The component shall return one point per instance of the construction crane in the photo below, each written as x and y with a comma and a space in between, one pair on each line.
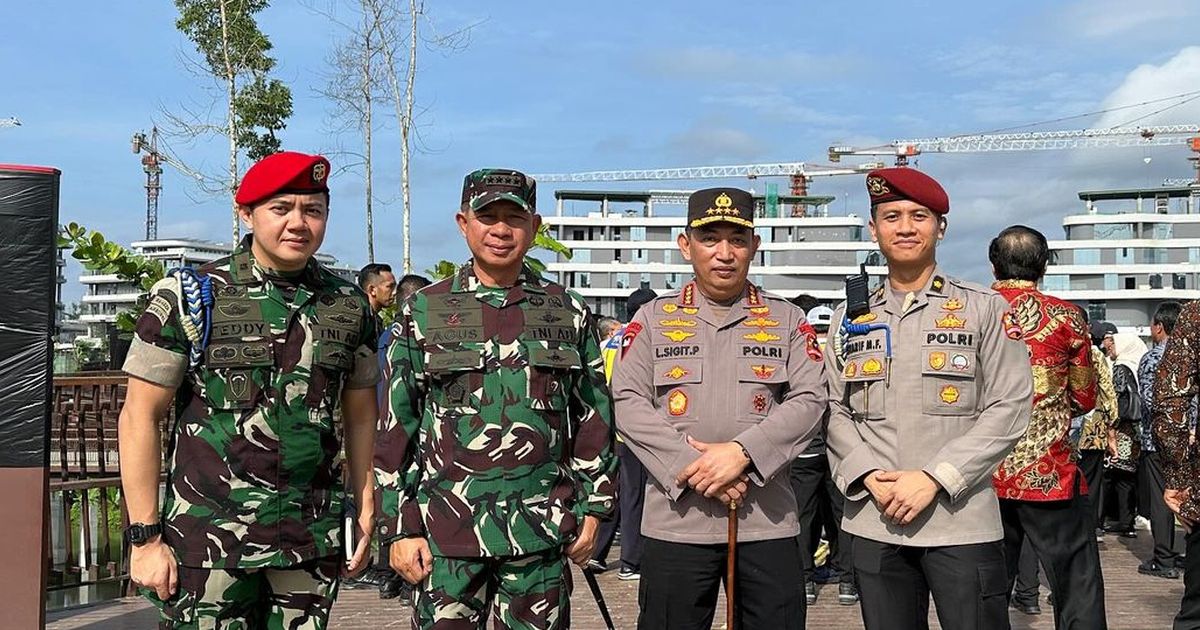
799, 174
152, 161
902, 150
11, 121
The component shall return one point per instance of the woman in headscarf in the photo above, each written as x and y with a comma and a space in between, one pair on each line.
1124, 449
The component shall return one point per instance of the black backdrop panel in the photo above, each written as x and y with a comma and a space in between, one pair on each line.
28, 282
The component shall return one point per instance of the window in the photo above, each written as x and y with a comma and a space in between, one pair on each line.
637, 234
763, 233
1087, 257
675, 232
1110, 282
1156, 256
672, 281
582, 255
1162, 231
644, 280
1097, 311
583, 280
1130, 282
622, 280
1056, 283
1194, 254
1124, 256
577, 235
1114, 231
639, 256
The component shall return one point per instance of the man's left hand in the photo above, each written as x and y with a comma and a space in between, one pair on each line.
581, 550
364, 527
912, 492
719, 465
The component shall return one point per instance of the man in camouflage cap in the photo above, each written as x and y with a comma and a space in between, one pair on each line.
495, 462
250, 532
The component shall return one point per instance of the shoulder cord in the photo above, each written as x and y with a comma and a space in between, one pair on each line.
195, 310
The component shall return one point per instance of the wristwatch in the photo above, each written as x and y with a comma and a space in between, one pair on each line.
138, 534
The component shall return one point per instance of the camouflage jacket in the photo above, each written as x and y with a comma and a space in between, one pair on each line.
254, 475
498, 436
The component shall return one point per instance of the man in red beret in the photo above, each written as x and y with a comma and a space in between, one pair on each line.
259, 351
920, 419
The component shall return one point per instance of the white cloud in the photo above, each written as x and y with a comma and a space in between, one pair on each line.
1109, 18
1177, 75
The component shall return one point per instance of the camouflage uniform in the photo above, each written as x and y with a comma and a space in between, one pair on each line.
497, 442
254, 484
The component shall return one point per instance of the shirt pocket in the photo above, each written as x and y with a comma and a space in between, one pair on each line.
864, 376
240, 373
551, 374
948, 381
456, 379
676, 385
332, 360
760, 388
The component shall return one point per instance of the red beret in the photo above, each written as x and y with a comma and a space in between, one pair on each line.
285, 172
899, 184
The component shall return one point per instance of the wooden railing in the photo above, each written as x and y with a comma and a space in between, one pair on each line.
85, 474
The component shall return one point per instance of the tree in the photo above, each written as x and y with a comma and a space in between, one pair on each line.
234, 53
99, 254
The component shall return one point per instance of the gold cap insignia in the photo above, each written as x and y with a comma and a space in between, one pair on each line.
877, 186
722, 205
319, 172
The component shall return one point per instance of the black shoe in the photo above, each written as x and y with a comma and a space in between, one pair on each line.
1028, 608
597, 566
1150, 567
810, 593
392, 587
1124, 531
847, 594
1180, 561
371, 578
825, 574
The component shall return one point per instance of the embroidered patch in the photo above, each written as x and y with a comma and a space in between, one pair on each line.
631, 331
676, 373
760, 310
960, 362
690, 310
761, 337
160, 308
669, 308
677, 403
813, 348
953, 304
851, 370
678, 323
1011, 328
949, 394
760, 403
951, 321
865, 318
937, 360
763, 371
871, 367
677, 335
761, 322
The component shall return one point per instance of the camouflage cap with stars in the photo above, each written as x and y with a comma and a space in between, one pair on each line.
712, 205
487, 185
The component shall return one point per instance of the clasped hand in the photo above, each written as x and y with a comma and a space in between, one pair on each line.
718, 472
901, 495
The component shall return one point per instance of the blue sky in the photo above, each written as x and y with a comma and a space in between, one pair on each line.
552, 86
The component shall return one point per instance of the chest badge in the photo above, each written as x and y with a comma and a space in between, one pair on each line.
951, 321
677, 322
763, 371
960, 362
677, 403
953, 304
760, 403
677, 335
871, 367
760, 310
761, 337
937, 360
761, 322
676, 373
851, 370
690, 310
669, 308
949, 394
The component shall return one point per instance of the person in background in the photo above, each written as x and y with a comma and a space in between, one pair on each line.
607, 328
410, 284
1093, 435
379, 283
1163, 561
1124, 450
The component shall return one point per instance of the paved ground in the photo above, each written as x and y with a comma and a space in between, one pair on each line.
1134, 602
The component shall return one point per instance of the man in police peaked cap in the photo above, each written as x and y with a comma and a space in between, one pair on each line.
718, 387
251, 526
919, 422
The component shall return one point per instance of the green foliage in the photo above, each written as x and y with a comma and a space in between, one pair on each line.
541, 241
262, 105
103, 256
89, 351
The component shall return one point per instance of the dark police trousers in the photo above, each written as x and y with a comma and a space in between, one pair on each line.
968, 583
1061, 533
680, 583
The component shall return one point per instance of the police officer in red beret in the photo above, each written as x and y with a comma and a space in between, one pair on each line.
261, 352
929, 390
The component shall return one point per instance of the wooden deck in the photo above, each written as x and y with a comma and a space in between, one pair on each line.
1134, 602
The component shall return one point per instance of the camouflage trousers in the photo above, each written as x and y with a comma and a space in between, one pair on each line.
524, 592
292, 598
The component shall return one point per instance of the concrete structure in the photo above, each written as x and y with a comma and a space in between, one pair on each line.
108, 295
1127, 252
622, 240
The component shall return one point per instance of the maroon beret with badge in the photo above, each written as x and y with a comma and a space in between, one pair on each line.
285, 172
907, 184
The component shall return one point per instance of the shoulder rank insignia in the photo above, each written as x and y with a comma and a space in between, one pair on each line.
938, 284
761, 337
677, 335
951, 321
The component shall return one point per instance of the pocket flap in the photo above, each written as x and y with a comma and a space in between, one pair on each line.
951, 362
333, 354
454, 361
555, 358
667, 373
758, 371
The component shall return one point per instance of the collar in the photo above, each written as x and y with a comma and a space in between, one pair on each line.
244, 269
465, 281
935, 287
694, 303
1027, 285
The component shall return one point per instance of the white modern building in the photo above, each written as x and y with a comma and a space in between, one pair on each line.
1128, 251
624, 240
107, 295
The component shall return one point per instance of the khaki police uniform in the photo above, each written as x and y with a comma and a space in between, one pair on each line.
952, 401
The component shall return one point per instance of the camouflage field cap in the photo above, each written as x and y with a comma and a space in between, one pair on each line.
486, 185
